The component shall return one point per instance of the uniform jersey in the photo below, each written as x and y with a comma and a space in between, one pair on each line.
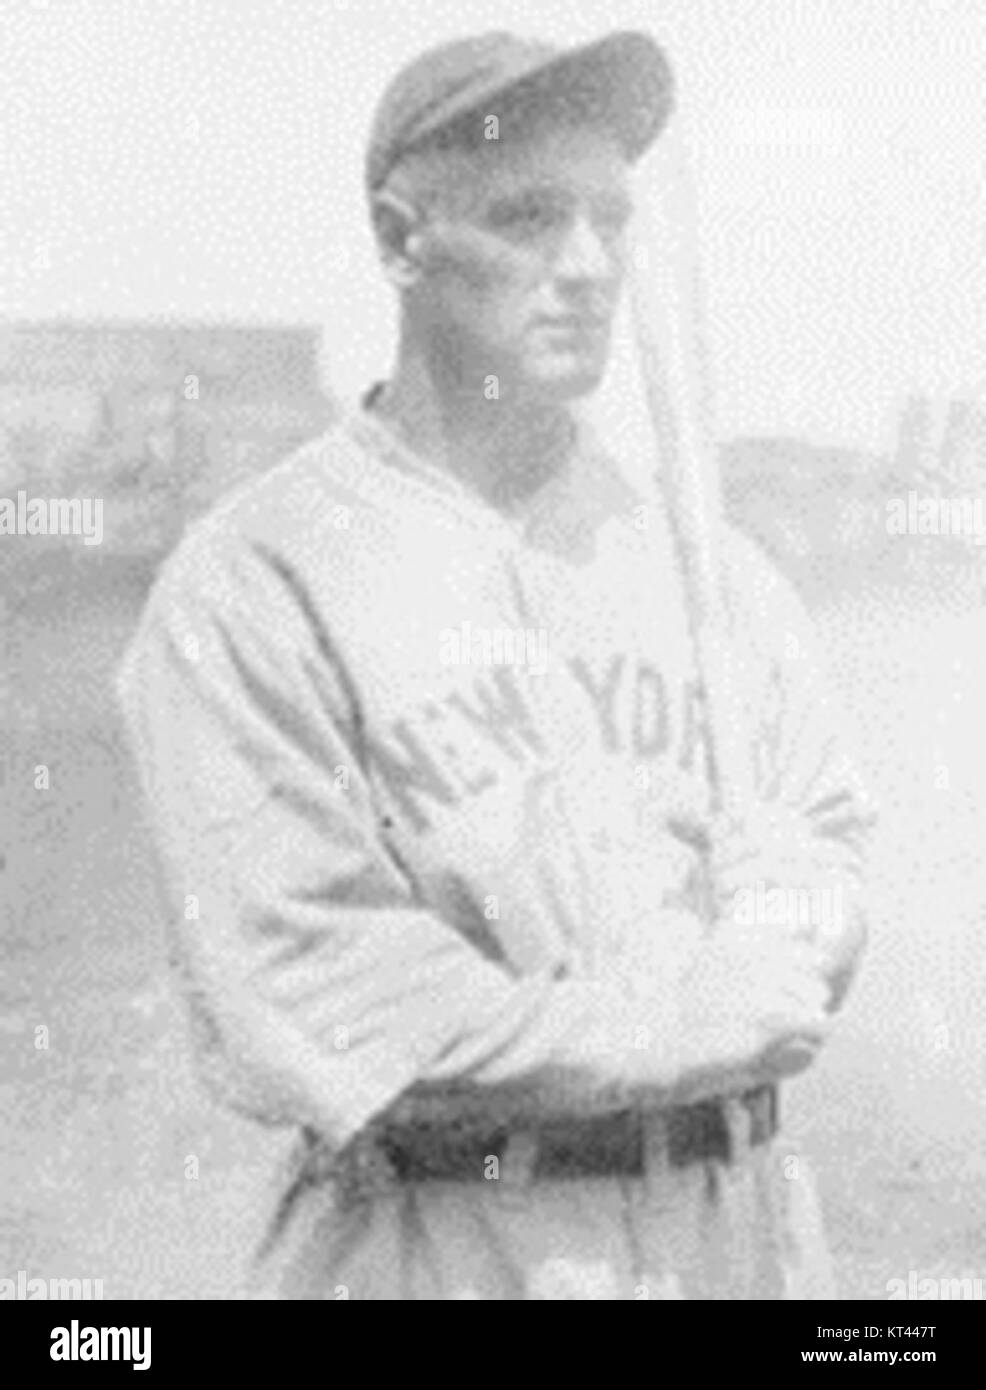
428, 772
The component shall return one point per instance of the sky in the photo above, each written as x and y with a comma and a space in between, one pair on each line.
201, 159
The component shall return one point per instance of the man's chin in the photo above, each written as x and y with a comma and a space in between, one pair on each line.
567, 381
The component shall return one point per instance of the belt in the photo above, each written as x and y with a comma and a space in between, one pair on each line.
607, 1146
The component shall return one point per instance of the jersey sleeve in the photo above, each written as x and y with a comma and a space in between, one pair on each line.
323, 989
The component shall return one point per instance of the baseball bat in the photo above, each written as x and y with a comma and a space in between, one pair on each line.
667, 323
667, 319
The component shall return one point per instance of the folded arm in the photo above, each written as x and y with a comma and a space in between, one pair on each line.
796, 856
327, 989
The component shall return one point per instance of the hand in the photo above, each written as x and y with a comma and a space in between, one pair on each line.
752, 1008
771, 872
773, 845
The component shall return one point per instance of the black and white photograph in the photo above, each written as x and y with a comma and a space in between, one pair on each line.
493, 608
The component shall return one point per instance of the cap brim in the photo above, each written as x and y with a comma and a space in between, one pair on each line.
622, 83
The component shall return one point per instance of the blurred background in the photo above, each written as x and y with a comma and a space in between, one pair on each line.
188, 291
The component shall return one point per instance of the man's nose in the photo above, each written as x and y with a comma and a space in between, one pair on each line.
584, 255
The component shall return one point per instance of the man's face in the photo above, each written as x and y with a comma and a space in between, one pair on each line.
524, 259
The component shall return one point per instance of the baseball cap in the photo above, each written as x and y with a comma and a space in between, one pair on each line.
622, 82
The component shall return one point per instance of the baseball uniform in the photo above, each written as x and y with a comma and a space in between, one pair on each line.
430, 775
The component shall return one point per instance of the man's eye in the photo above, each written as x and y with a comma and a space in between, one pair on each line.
529, 217
612, 222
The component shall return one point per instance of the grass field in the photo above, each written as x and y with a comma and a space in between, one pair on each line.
98, 1128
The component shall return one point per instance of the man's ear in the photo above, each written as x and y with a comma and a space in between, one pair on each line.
398, 227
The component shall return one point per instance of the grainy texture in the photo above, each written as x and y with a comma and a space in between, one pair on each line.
191, 291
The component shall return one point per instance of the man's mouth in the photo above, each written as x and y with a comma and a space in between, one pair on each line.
575, 325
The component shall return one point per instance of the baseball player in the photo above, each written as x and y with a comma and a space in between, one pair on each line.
420, 722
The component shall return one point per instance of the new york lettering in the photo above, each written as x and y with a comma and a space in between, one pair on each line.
428, 758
